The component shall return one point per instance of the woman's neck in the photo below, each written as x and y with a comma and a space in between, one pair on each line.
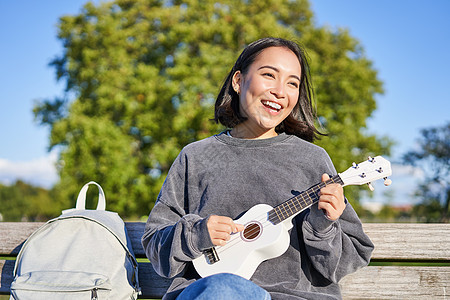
244, 133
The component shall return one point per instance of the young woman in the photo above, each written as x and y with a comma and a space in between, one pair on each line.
266, 157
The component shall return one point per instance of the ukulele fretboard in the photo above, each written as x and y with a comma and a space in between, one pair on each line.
300, 202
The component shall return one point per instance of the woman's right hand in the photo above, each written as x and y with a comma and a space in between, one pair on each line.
220, 229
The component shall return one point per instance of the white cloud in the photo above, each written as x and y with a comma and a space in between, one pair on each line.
405, 180
406, 170
40, 171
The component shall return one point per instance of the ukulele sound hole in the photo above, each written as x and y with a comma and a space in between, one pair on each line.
252, 231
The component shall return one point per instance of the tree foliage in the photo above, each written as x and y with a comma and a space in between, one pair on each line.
22, 201
142, 75
433, 156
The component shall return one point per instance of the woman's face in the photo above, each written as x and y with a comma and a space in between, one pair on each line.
267, 92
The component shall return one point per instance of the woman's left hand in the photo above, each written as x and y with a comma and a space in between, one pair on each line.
331, 199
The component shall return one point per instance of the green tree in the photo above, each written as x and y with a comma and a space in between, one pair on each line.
141, 79
433, 156
22, 201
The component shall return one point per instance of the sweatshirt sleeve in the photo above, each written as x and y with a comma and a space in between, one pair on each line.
172, 237
336, 248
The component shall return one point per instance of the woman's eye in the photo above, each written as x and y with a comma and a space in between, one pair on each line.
269, 75
294, 84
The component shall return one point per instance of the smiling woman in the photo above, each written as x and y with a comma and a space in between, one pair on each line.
265, 158
278, 69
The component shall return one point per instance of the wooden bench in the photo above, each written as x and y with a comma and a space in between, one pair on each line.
420, 253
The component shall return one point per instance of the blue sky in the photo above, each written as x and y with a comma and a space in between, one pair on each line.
407, 40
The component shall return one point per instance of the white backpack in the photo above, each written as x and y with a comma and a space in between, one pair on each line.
82, 254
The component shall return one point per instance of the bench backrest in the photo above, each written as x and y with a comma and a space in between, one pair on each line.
420, 253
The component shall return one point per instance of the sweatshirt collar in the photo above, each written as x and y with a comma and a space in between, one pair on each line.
224, 138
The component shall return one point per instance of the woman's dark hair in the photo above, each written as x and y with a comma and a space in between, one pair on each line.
301, 120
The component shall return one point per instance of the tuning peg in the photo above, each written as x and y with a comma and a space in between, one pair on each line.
371, 187
387, 181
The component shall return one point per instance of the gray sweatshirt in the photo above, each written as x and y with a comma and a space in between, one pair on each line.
226, 176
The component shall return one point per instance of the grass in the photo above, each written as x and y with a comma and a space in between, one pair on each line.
410, 263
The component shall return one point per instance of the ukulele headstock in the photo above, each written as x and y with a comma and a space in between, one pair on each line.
372, 169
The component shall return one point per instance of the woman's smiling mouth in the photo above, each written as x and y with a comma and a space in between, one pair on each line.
271, 105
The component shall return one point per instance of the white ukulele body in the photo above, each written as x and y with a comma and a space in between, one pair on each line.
244, 252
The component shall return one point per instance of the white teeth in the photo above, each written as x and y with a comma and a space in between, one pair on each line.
272, 104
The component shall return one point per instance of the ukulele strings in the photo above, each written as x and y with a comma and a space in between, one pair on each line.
264, 218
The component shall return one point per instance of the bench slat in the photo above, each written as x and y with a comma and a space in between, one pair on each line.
135, 231
381, 282
13, 234
395, 282
147, 274
395, 241
392, 241
6, 267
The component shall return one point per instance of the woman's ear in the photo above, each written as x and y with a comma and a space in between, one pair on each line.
236, 82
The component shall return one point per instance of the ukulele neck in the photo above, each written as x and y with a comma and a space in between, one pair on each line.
297, 204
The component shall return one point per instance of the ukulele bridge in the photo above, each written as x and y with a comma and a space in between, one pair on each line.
211, 256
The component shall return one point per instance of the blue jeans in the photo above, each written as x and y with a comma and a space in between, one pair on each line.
223, 286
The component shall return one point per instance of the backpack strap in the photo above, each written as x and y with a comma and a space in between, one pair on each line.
81, 200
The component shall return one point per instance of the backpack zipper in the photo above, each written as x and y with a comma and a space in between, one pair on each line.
94, 294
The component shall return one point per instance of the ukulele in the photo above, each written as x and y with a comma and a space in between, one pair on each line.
265, 233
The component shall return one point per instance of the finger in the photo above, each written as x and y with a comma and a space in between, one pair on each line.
218, 242
239, 227
229, 224
328, 199
325, 177
219, 237
221, 223
327, 188
334, 191
330, 212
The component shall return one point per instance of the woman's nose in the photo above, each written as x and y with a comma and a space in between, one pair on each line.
278, 90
